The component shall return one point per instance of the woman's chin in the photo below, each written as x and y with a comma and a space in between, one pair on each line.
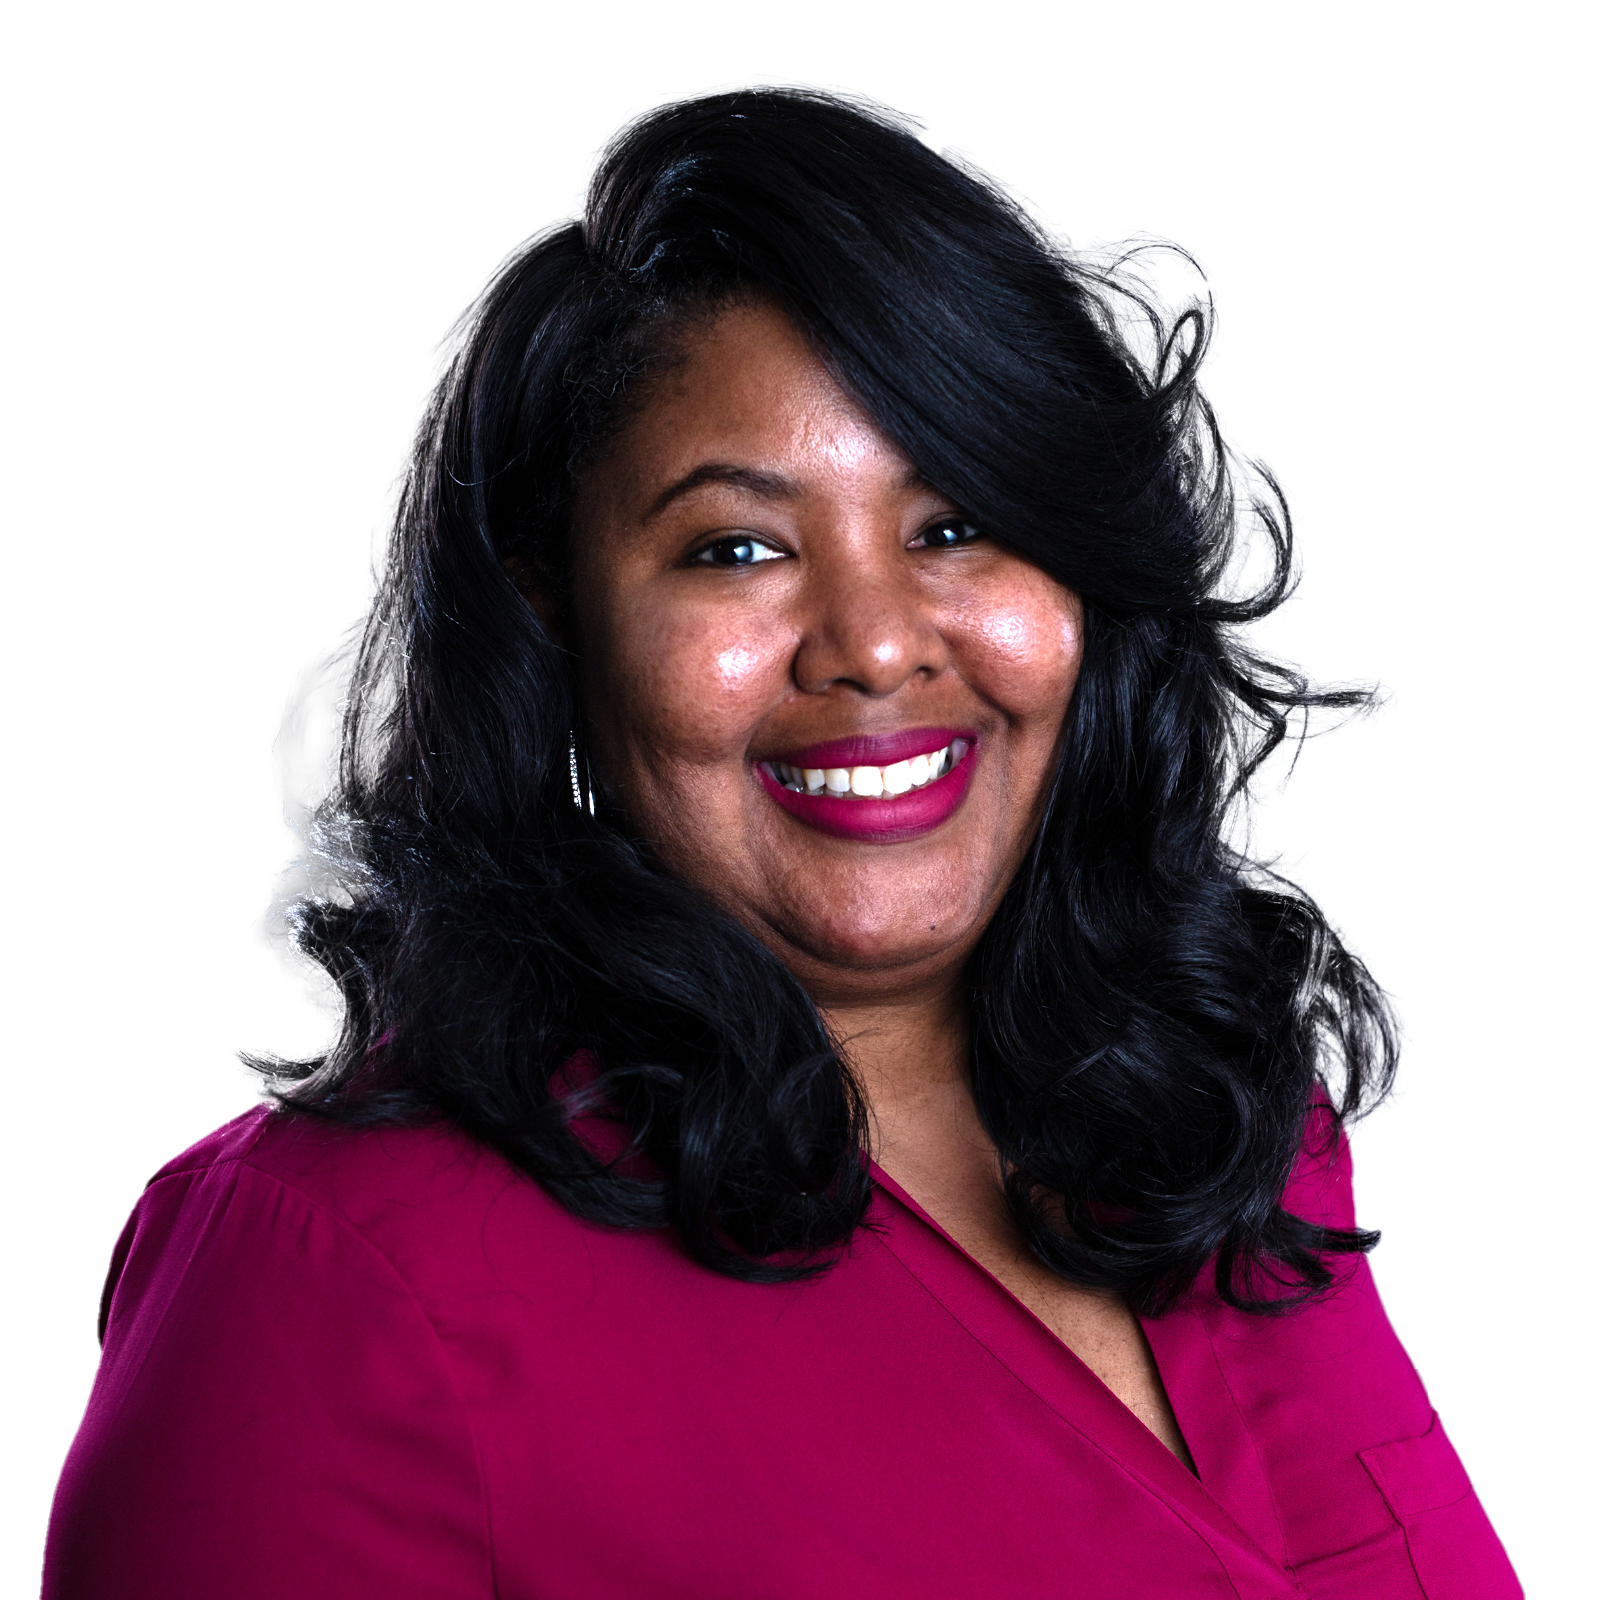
864, 909
896, 943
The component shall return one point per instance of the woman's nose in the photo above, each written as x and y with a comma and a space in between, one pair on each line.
868, 627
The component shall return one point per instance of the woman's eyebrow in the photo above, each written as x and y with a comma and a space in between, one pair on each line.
767, 485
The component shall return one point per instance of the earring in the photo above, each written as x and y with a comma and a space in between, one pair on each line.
583, 801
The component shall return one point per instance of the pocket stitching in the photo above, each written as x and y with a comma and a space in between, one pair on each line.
1375, 1456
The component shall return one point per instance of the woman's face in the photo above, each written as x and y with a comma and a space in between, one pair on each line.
830, 702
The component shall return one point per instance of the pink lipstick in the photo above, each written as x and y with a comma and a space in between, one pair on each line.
877, 787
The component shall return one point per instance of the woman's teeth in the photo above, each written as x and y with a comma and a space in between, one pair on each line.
901, 777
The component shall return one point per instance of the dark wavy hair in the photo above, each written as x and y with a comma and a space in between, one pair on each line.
1156, 1016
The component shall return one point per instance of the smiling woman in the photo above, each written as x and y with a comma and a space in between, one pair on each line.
804, 600
820, 1104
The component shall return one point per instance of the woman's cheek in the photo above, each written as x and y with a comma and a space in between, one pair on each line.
699, 690
735, 670
1026, 647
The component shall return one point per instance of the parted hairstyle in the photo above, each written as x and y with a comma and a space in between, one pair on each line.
1157, 1019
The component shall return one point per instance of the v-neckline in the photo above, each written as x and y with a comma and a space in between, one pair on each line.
1034, 1354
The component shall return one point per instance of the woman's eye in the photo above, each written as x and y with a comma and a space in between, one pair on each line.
947, 534
738, 550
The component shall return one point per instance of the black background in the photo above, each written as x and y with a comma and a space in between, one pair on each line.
261, 314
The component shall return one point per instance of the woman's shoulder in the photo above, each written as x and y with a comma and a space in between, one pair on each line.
334, 1163
1320, 1188
260, 1328
415, 1194
1319, 1428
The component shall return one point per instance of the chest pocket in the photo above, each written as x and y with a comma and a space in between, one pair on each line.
1452, 1547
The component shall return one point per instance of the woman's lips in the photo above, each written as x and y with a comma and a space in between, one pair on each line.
917, 780
875, 749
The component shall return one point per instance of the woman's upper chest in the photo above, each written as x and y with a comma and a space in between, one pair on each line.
954, 1184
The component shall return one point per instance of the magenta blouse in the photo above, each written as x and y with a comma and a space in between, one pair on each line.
383, 1365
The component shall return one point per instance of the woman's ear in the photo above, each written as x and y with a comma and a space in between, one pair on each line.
533, 589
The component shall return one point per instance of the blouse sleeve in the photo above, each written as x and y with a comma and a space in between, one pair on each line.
272, 1416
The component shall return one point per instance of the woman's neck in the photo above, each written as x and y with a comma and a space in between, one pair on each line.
909, 1054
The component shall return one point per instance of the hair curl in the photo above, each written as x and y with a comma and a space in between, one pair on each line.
1155, 1015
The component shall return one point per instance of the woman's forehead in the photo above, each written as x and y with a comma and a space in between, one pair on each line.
749, 406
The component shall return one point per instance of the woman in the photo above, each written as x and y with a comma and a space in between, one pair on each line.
821, 1105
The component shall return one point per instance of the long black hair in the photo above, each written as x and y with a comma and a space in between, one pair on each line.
1156, 1017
